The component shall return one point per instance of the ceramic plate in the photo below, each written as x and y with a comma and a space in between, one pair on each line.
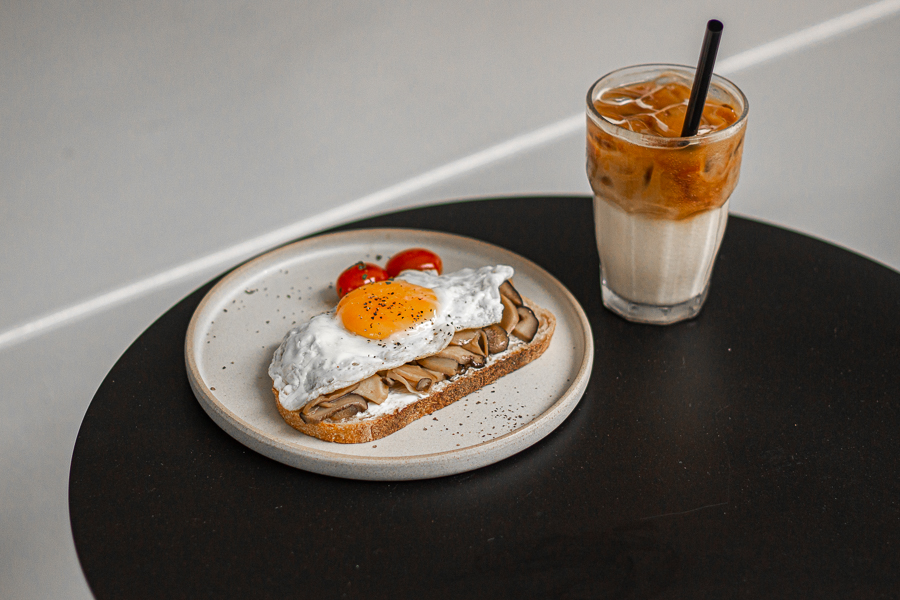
243, 319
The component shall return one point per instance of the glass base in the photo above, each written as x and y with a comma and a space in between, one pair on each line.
651, 313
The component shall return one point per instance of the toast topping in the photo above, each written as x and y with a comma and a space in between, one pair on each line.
381, 326
527, 325
497, 339
468, 349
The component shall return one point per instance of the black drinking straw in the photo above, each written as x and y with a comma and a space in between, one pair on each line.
702, 78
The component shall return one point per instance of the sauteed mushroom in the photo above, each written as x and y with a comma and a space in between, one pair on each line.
473, 340
463, 337
527, 326
462, 356
348, 406
507, 289
413, 377
447, 366
373, 389
510, 316
337, 409
497, 338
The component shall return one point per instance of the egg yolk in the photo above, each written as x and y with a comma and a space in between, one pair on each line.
381, 309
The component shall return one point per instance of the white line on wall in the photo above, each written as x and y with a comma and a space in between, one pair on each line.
806, 38
217, 261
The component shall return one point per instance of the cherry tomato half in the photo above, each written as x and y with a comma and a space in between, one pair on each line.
419, 259
359, 275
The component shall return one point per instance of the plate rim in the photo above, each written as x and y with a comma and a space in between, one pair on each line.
218, 411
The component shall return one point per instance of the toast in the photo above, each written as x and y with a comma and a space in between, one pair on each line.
355, 430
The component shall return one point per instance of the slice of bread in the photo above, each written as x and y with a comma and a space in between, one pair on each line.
357, 431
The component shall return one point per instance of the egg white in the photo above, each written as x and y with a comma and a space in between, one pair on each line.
321, 355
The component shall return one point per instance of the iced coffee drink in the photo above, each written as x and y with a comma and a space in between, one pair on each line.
660, 200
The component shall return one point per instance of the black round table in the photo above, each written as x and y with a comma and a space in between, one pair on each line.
752, 452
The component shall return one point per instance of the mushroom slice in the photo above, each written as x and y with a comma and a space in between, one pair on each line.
309, 411
527, 326
464, 336
462, 356
507, 290
447, 366
347, 406
497, 338
373, 389
472, 340
417, 371
435, 375
413, 377
479, 345
337, 409
510, 315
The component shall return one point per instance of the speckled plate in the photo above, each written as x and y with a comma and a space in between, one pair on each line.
242, 320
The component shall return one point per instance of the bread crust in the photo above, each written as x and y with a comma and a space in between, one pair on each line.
356, 431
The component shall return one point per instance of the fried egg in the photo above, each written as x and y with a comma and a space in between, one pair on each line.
381, 326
